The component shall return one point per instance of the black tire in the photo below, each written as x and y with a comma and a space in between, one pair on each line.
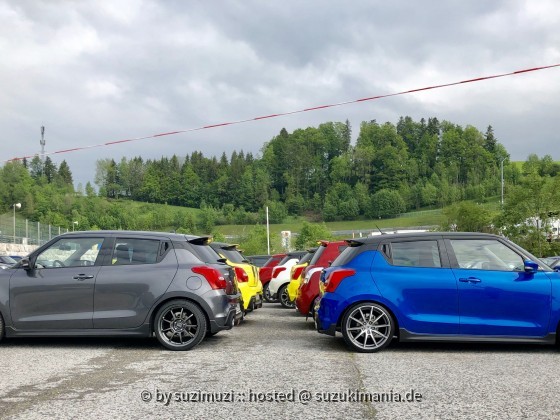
180, 325
266, 294
367, 327
240, 320
1, 327
284, 298
313, 305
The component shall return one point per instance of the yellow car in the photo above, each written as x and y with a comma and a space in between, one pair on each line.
296, 275
247, 275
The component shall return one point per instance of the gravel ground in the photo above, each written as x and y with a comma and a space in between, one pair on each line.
275, 351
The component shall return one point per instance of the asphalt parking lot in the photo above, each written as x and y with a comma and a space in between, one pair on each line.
275, 365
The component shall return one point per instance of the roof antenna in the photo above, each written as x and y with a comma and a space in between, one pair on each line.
380, 231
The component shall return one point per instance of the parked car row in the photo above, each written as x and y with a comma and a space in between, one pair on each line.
295, 280
182, 288
278, 285
247, 275
178, 288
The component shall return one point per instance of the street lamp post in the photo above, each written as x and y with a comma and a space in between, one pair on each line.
502, 170
74, 223
15, 206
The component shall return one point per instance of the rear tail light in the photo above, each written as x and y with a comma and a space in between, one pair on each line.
335, 277
215, 279
241, 274
297, 272
276, 271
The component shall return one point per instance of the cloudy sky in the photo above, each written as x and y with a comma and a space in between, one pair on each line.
97, 71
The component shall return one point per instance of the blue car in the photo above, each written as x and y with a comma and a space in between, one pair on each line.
438, 287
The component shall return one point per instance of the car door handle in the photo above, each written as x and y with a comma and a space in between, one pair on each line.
470, 280
82, 277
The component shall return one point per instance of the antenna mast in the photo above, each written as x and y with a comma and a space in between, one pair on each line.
43, 141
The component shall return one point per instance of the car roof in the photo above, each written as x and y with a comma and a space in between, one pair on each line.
420, 235
132, 233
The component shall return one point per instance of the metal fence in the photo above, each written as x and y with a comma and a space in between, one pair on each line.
14, 230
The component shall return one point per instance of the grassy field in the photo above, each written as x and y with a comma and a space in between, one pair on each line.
425, 218
421, 218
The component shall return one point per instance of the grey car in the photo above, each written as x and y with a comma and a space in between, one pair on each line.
120, 283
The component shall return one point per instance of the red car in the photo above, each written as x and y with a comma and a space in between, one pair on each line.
308, 293
265, 274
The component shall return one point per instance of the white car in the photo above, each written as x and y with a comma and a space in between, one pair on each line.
281, 278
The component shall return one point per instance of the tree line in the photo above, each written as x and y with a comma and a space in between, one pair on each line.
316, 172
391, 169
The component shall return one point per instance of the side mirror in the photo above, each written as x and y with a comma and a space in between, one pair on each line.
25, 264
531, 266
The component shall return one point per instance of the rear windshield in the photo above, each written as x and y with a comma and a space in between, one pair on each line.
346, 256
233, 255
285, 259
317, 255
270, 261
205, 253
306, 258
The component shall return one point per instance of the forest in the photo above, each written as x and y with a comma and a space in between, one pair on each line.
391, 169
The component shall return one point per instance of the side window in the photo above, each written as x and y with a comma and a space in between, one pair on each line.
386, 250
186, 257
135, 251
70, 252
416, 254
486, 254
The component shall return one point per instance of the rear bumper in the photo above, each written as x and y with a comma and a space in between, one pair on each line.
226, 322
256, 302
293, 287
252, 296
326, 318
304, 302
330, 330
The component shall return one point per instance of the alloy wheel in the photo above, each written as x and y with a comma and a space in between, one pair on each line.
180, 325
267, 295
285, 298
367, 327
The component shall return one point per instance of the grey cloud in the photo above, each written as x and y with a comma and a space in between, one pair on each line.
92, 72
